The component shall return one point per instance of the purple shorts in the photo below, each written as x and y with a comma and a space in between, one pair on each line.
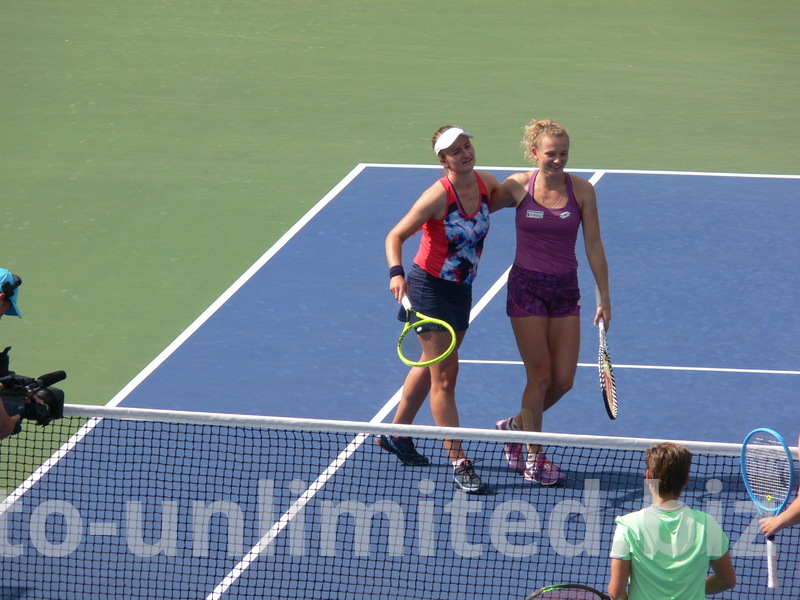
534, 294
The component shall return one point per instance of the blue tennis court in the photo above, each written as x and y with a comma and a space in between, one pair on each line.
703, 280
704, 335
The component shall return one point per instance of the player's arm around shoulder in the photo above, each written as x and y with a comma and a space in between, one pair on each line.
490, 181
510, 192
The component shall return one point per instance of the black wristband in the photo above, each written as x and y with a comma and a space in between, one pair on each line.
396, 270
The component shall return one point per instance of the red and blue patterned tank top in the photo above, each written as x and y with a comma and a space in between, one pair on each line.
451, 247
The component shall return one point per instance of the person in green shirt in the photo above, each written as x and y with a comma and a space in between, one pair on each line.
665, 550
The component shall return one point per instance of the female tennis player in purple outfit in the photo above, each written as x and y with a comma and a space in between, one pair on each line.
543, 294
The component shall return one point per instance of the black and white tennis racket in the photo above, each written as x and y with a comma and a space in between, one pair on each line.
607, 383
768, 472
424, 340
567, 591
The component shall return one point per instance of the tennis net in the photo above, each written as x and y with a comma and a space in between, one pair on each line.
158, 504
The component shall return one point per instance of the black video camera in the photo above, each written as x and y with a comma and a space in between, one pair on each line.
33, 399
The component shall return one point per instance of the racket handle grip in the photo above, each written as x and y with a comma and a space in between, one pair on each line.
772, 564
601, 322
405, 302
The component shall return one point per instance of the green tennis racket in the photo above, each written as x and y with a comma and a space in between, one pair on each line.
424, 340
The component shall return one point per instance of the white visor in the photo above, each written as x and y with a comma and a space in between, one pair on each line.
448, 138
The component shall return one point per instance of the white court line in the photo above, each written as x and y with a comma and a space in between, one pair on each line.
646, 367
299, 504
235, 286
34, 477
617, 171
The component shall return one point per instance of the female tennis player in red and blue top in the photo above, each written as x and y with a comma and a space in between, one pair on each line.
543, 294
454, 217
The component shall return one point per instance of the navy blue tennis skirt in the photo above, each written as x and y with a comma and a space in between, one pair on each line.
438, 298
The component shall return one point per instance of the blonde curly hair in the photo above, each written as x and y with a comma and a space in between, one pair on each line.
536, 131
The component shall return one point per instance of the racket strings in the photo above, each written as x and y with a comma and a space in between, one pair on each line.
608, 384
425, 341
768, 472
608, 373
604, 362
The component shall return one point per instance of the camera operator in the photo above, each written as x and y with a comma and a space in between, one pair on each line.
9, 283
24, 397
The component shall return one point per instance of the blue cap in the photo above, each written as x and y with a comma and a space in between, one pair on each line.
10, 287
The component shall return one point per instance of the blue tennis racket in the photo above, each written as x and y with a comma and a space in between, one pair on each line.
768, 473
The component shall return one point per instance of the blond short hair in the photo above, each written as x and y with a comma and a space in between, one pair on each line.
536, 131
